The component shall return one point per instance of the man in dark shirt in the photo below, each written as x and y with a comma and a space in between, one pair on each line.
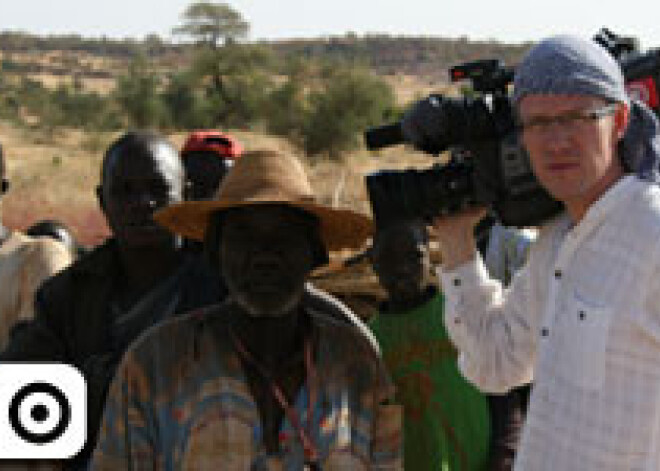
88, 314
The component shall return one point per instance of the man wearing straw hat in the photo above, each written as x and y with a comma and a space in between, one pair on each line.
265, 380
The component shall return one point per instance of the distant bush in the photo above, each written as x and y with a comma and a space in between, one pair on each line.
32, 96
9, 65
248, 97
85, 110
186, 104
350, 101
286, 110
321, 105
236, 80
137, 95
29, 102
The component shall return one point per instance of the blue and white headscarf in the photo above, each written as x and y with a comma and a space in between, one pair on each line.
569, 65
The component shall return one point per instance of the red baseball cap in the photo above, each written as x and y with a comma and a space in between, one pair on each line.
210, 140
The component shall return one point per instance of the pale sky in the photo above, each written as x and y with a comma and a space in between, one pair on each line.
504, 20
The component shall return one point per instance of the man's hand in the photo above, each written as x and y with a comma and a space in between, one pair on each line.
455, 236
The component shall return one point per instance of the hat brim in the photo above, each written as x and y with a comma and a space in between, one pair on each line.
340, 228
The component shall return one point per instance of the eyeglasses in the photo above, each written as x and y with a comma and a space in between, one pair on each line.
572, 120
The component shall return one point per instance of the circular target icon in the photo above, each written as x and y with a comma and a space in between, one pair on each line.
39, 413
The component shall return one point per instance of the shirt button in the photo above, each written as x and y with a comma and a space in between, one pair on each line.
582, 315
457, 320
557, 274
544, 332
457, 282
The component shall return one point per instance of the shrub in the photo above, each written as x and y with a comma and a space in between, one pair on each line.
185, 105
352, 100
286, 110
236, 82
137, 96
77, 108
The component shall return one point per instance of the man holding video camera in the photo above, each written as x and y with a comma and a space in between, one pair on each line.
582, 318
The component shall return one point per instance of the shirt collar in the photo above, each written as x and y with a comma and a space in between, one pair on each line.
619, 193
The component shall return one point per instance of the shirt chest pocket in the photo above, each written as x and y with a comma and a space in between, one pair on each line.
584, 330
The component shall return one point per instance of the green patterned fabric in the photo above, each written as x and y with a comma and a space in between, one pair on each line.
447, 424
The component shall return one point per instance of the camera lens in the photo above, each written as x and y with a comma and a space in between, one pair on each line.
39, 413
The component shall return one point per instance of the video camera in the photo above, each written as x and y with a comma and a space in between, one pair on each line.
488, 165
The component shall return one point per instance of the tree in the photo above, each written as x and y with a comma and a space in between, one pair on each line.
238, 80
351, 100
81, 109
286, 109
137, 95
186, 105
209, 23
234, 74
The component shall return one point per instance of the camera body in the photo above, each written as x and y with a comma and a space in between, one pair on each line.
487, 166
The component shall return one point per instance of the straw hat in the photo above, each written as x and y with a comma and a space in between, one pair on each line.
268, 177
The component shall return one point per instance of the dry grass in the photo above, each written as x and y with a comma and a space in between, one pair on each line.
409, 88
52, 177
59, 67
102, 86
70, 59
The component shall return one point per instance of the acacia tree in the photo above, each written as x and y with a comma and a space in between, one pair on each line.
234, 71
237, 80
212, 24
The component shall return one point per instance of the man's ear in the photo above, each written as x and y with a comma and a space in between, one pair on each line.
621, 120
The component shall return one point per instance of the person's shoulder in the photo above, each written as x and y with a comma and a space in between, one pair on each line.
644, 210
644, 214
345, 337
77, 281
178, 336
649, 195
100, 261
320, 301
46, 251
37, 258
169, 353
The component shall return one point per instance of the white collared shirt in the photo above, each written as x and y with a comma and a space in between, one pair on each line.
582, 320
